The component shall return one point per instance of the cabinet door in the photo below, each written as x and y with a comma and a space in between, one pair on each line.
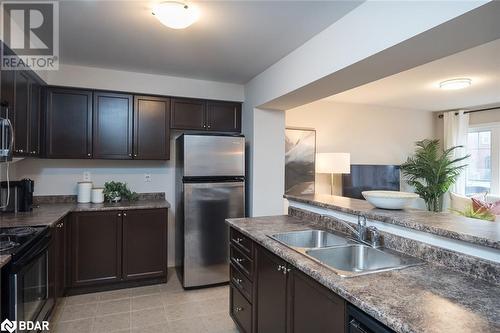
34, 130
151, 128
69, 123
8, 81
21, 115
96, 248
60, 258
224, 116
314, 308
271, 293
188, 114
112, 126
144, 244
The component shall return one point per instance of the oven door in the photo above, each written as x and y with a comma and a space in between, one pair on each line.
30, 284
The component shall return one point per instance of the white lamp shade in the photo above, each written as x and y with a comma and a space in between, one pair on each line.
333, 163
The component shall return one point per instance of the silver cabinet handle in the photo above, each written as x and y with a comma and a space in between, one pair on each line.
237, 240
239, 260
124, 214
280, 267
238, 309
130, 155
135, 155
88, 154
119, 215
237, 281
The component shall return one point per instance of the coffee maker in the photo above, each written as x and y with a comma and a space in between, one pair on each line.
20, 198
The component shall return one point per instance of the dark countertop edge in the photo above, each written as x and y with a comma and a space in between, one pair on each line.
63, 209
372, 214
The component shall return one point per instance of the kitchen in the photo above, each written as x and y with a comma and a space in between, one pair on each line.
200, 139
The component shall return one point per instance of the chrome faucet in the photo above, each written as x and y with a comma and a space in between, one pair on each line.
362, 232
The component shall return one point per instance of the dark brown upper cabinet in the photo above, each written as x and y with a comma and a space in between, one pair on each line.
188, 114
144, 244
35, 109
68, 123
151, 128
112, 125
21, 114
217, 116
224, 116
96, 248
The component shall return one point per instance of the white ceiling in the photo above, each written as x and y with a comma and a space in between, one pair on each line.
418, 88
232, 42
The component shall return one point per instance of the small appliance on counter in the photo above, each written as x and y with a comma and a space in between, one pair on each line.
20, 198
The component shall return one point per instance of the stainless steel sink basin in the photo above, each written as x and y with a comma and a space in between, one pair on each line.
310, 239
358, 259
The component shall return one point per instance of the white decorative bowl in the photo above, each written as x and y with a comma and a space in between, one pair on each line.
389, 199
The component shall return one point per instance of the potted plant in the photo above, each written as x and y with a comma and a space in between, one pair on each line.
431, 172
115, 191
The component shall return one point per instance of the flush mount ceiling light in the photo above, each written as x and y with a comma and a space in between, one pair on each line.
455, 84
176, 15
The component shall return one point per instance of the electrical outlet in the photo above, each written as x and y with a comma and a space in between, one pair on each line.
86, 176
147, 177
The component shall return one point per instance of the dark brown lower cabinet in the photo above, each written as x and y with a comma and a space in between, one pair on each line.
60, 245
96, 248
271, 292
277, 298
313, 308
144, 244
110, 249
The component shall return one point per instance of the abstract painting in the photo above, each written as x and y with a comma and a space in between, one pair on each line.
300, 155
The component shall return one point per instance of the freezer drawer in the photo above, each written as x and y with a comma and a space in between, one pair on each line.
213, 156
206, 235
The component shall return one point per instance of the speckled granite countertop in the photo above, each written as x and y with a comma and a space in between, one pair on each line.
4, 259
444, 224
49, 214
424, 298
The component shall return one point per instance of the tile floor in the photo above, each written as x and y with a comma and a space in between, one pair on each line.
156, 309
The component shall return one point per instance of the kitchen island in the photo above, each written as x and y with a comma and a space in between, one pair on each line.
426, 298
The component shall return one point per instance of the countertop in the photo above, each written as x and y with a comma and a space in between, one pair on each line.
49, 214
4, 259
484, 233
425, 298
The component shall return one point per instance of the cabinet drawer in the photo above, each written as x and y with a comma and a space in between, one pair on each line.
240, 281
241, 261
243, 243
241, 311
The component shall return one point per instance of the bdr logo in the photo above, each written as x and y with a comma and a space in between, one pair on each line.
31, 31
28, 326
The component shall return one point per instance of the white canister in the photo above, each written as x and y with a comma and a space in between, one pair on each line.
97, 195
84, 192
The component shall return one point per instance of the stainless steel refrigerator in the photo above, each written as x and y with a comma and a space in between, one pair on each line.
210, 187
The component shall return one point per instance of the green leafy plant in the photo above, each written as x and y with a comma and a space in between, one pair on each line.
431, 171
481, 214
114, 189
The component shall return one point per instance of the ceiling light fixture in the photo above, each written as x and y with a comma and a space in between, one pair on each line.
455, 84
176, 15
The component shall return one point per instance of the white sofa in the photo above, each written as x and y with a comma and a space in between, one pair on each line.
460, 202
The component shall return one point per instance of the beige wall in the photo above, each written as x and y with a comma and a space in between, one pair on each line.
371, 134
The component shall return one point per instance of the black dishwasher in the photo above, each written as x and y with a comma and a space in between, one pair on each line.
360, 322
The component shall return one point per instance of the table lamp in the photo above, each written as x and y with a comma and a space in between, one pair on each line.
334, 164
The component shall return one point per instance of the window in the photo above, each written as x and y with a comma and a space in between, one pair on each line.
482, 174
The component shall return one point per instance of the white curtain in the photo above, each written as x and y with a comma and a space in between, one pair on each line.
455, 134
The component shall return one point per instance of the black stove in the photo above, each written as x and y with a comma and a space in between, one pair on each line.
16, 240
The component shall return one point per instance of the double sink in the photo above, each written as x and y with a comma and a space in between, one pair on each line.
346, 257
